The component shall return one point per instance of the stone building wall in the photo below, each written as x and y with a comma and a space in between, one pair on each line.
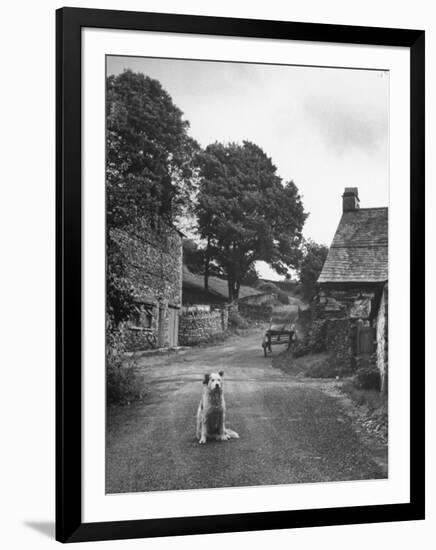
198, 325
138, 339
153, 260
153, 263
382, 340
343, 308
353, 302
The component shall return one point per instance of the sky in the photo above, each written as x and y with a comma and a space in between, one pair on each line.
324, 128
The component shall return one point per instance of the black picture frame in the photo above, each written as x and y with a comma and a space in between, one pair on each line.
69, 525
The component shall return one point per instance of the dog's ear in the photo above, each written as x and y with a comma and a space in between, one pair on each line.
221, 373
206, 379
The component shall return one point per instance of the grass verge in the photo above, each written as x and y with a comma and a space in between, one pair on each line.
314, 365
373, 399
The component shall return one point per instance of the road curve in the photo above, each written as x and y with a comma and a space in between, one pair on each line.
289, 431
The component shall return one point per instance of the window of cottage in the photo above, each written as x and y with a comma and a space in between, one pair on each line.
142, 316
148, 316
135, 316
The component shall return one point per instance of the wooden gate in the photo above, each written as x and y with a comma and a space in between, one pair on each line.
173, 326
161, 327
365, 341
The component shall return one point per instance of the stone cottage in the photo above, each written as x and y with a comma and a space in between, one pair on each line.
153, 263
353, 287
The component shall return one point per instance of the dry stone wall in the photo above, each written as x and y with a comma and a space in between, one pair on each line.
198, 325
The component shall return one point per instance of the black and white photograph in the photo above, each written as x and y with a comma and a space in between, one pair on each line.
217, 263
247, 273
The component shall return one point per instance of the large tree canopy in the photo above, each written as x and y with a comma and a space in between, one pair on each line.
150, 157
150, 169
246, 213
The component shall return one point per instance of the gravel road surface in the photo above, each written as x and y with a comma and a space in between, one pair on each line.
290, 431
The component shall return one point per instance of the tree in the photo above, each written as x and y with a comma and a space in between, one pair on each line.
150, 157
267, 286
197, 260
246, 213
314, 256
251, 278
119, 292
150, 169
193, 256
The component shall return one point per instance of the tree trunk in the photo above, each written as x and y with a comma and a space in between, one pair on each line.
206, 275
206, 265
384, 383
230, 287
236, 290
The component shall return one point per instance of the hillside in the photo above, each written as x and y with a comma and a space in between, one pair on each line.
290, 288
193, 289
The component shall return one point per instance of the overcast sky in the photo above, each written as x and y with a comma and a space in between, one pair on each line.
324, 128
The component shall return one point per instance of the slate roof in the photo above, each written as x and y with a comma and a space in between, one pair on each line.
359, 251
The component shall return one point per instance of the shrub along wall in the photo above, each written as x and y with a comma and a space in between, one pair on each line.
198, 326
338, 341
256, 312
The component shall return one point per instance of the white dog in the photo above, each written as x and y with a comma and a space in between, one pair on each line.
211, 414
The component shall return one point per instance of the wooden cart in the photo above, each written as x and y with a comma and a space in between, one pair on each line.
277, 334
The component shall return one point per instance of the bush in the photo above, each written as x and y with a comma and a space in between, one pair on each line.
121, 384
121, 380
327, 369
300, 348
316, 337
236, 320
372, 399
316, 365
256, 312
264, 286
313, 341
311, 266
367, 377
282, 296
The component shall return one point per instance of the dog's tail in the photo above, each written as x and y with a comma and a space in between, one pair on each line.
232, 434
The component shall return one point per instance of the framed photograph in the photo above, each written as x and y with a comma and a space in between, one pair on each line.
240, 275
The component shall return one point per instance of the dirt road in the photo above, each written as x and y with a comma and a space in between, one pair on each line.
290, 432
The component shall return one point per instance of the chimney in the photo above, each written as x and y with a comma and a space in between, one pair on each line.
350, 199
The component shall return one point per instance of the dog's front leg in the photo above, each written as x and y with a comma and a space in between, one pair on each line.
198, 426
203, 432
223, 435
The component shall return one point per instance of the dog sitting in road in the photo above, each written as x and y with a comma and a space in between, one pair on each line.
211, 414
